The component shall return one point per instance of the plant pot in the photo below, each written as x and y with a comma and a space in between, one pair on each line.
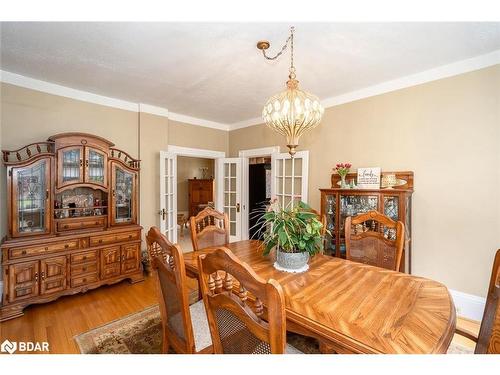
291, 262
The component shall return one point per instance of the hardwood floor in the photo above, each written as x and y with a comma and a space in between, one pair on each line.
59, 321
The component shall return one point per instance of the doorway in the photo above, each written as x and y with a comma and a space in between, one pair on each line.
195, 191
259, 194
288, 181
169, 185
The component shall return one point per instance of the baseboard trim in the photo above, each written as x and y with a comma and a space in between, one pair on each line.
468, 305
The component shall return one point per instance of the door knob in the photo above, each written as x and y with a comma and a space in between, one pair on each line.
163, 213
237, 207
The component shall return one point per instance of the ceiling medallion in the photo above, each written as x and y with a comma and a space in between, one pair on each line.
293, 111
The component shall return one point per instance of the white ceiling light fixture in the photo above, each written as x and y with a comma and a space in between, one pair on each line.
293, 111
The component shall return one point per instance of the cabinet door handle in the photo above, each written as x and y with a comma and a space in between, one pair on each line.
84, 257
36, 277
23, 252
100, 241
66, 246
43, 275
87, 162
47, 194
81, 163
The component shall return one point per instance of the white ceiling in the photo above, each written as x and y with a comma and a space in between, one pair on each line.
213, 71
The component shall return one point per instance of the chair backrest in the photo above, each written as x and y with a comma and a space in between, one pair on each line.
375, 239
234, 298
489, 334
209, 228
172, 291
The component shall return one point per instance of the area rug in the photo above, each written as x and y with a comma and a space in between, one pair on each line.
140, 333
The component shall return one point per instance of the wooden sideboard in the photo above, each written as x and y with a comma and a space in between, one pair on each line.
72, 205
201, 191
337, 204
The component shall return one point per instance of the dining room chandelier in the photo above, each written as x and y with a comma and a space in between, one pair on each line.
293, 111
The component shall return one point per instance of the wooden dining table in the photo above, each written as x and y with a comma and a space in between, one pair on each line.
353, 307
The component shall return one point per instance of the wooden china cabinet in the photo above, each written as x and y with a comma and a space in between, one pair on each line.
72, 206
337, 204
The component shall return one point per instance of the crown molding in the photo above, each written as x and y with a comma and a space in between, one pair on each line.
55, 89
153, 110
198, 121
246, 123
444, 71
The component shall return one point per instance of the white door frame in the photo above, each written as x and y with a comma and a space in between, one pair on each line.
191, 152
246, 154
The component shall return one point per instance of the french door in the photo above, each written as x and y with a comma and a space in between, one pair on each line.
229, 194
290, 178
168, 195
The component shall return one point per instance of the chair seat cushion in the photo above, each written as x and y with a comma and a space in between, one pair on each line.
201, 330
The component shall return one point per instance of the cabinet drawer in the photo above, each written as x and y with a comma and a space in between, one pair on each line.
37, 250
83, 280
82, 269
87, 223
87, 256
113, 238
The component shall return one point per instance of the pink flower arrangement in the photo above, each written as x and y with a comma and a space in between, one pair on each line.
342, 169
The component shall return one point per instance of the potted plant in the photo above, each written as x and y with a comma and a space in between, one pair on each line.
295, 233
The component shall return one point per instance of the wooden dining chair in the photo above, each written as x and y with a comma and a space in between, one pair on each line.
184, 328
234, 299
488, 340
375, 239
209, 228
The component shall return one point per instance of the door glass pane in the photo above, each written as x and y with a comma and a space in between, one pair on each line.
96, 167
123, 195
71, 165
31, 193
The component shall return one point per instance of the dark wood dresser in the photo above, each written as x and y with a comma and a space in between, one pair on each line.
201, 191
72, 220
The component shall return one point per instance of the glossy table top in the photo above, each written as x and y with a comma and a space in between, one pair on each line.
361, 308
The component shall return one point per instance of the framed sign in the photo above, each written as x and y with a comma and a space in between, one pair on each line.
369, 178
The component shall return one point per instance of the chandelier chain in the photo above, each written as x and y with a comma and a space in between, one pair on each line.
283, 49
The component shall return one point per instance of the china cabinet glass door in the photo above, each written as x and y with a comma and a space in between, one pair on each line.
95, 166
352, 205
330, 209
70, 165
123, 185
30, 193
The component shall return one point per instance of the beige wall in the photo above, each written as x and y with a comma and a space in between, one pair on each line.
448, 133
29, 116
186, 135
188, 167
153, 138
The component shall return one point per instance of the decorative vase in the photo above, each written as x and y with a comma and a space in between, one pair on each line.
291, 262
343, 184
